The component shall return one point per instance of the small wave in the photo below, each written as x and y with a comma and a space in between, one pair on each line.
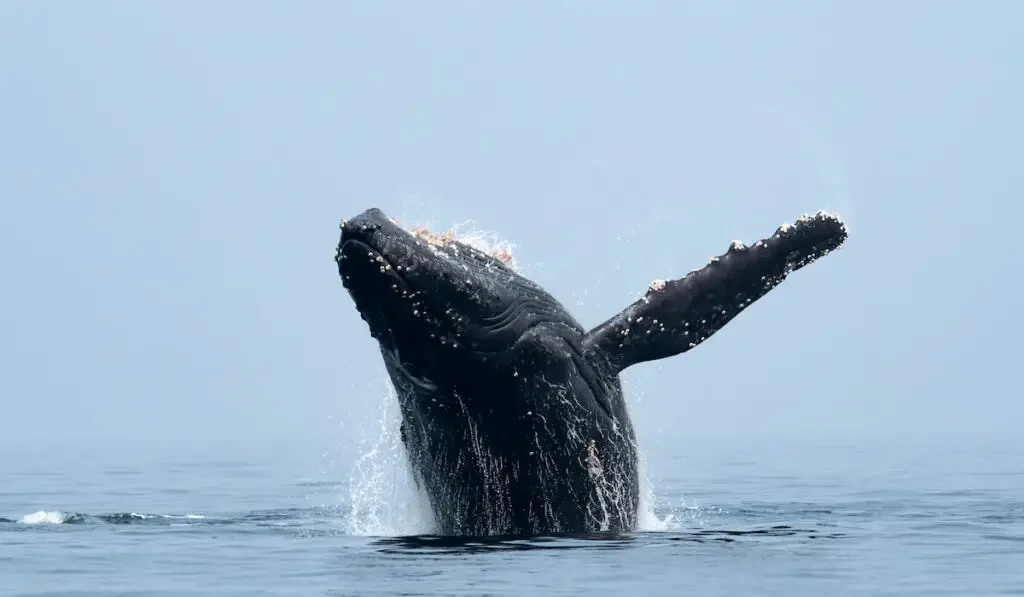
781, 530
440, 544
1004, 537
290, 517
53, 517
43, 517
594, 541
135, 517
125, 518
318, 484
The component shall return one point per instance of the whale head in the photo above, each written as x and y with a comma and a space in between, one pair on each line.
435, 303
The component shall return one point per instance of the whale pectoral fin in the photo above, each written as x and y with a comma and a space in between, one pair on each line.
677, 315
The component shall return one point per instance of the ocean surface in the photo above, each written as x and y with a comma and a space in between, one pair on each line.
727, 517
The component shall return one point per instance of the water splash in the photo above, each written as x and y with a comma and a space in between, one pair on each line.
383, 497
44, 517
647, 517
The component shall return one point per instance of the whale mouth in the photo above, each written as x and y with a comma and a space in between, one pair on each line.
428, 298
380, 293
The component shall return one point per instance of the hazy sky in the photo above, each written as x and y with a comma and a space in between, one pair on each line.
173, 174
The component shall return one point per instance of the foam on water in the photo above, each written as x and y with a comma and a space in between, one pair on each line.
44, 517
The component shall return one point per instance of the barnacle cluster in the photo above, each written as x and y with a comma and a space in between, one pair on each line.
503, 254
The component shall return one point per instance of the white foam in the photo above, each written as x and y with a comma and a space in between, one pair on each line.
43, 517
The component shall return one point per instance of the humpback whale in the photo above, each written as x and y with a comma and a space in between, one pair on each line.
512, 413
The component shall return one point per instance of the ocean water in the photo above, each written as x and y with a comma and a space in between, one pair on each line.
728, 517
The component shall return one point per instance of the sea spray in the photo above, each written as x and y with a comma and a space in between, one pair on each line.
383, 497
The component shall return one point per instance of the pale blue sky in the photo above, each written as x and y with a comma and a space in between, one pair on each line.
173, 174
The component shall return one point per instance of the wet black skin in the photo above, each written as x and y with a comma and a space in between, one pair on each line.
513, 416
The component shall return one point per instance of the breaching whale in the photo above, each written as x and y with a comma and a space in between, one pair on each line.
512, 414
